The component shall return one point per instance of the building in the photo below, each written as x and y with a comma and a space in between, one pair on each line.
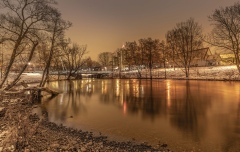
200, 57
227, 59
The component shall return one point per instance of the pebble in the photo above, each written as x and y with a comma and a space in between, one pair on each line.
26, 150
53, 137
55, 145
83, 149
1, 108
90, 143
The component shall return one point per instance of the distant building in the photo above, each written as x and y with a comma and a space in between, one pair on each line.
201, 57
227, 59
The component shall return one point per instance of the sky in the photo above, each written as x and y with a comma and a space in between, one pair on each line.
105, 25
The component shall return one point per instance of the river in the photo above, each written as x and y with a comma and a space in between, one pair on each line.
186, 115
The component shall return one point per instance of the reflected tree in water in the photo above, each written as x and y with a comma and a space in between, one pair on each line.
107, 91
142, 96
187, 111
151, 104
70, 104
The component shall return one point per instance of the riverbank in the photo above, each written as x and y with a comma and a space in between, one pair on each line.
214, 73
23, 130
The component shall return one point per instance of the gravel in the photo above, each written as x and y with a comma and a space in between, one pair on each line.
22, 130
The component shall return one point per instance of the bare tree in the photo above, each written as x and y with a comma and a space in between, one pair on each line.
57, 63
24, 67
43, 54
132, 57
131, 52
163, 56
20, 28
74, 58
105, 58
151, 52
226, 30
91, 64
56, 27
183, 41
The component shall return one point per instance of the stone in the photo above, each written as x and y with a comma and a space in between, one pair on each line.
12, 147
83, 149
26, 150
90, 143
55, 145
65, 147
2, 111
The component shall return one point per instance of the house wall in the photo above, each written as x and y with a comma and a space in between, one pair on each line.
202, 63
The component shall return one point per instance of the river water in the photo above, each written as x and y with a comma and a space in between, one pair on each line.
186, 115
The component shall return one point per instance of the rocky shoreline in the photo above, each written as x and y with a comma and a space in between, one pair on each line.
22, 130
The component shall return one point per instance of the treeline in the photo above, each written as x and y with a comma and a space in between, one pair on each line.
182, 45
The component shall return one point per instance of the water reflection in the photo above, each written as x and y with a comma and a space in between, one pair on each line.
187, 114
232, 133
188, 109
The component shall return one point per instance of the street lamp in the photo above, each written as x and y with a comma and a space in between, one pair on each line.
112, 63
123, 47
120, 69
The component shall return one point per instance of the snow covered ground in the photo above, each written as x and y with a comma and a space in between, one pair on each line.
212, 73
27, 77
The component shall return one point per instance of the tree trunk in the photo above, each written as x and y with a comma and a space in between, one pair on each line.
58, 74
237, 62
165, 72
69, 75
139, 73
187, 72
23, 69
10, 63
45, 75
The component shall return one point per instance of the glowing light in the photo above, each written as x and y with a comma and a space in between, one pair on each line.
136, 91
124, 107
168, 93
61, 100
32, 74
104, 87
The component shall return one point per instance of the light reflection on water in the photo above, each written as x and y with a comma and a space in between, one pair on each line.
187, 115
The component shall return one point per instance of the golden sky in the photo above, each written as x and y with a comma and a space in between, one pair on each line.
105, 25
